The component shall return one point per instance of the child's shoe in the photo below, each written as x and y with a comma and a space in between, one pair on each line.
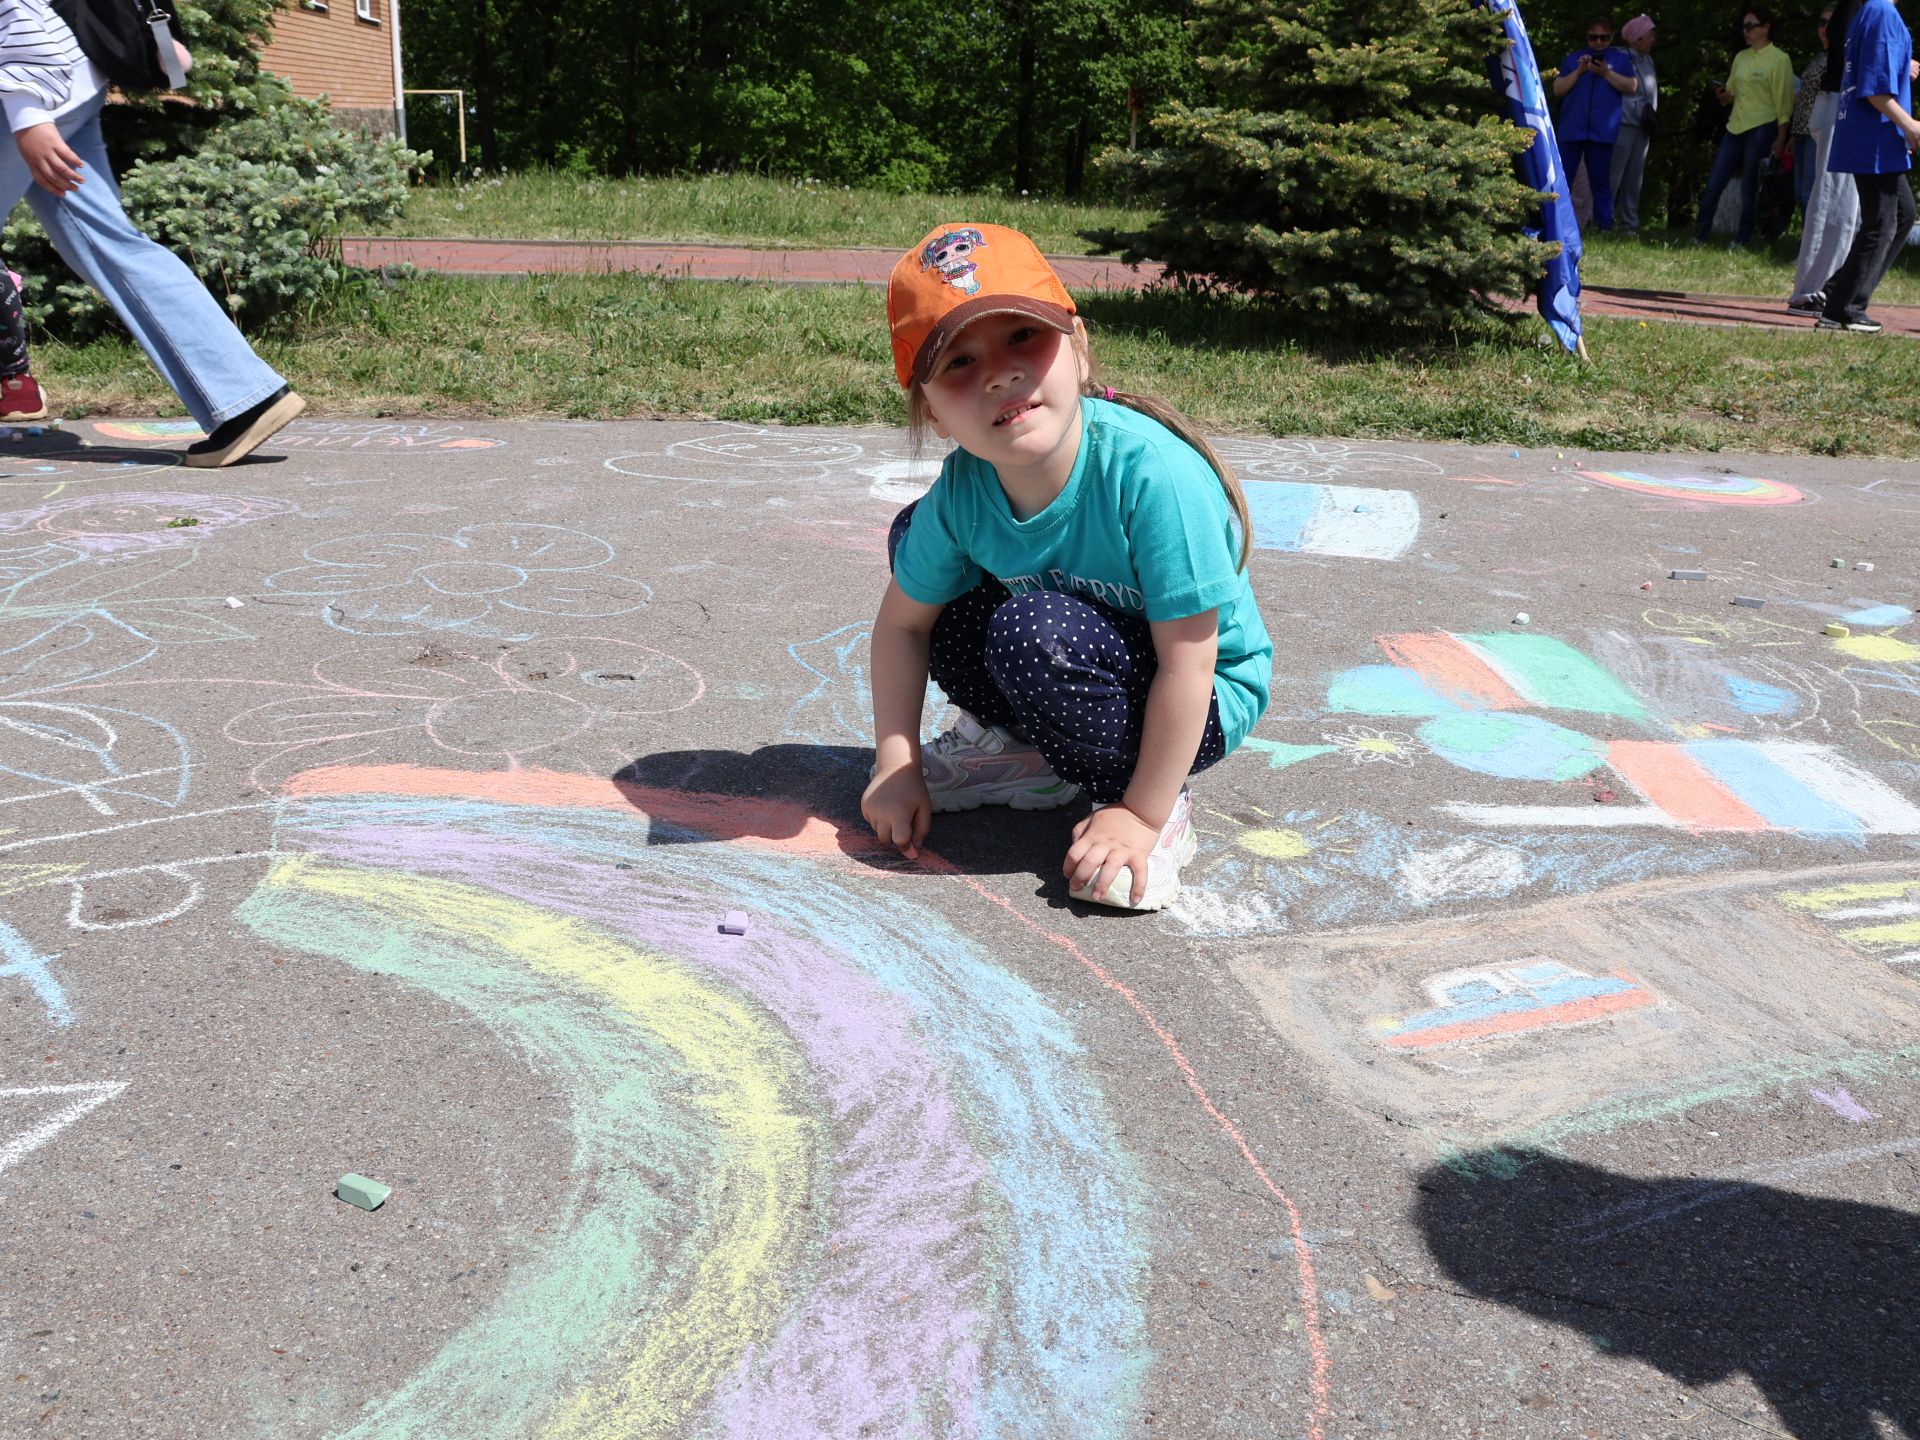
1173, 849
20, 399
973, 765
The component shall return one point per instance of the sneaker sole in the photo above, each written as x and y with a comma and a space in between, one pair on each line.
1156, 898
272, 421
14, 416
1051, 797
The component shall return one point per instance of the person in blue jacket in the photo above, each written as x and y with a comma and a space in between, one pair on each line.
1875, 136
1590, 87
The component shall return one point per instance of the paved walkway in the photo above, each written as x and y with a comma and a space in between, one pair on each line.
870, 266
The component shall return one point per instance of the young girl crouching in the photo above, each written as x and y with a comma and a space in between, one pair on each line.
1075, 581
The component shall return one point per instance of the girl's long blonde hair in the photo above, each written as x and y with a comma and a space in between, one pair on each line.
919, 423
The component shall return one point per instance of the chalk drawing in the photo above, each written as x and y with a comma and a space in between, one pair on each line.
107, 760
1490, 1002
1700, 489
843, 1106
1878, 917
1843, 1105
69, 1104
182, 430
737, 456
122, 521
1464, 870
1332, 519
20, 961
1317, 460
1366, 745
414, 437
489, 580
1669, 1203
1576, 1016
571, 702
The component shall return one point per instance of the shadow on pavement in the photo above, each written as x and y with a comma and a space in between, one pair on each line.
1705, 1279
804, 799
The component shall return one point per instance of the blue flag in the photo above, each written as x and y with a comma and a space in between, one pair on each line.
1516, 78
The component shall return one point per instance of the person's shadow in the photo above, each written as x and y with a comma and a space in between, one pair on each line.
1814, 1299
805, 799
65, 447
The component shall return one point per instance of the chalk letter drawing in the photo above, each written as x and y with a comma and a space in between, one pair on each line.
79, 1101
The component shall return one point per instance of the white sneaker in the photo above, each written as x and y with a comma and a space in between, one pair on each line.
973, 765
1174, 848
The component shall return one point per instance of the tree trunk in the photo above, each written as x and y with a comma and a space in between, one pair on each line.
483, 96
1023, 114
1077, 157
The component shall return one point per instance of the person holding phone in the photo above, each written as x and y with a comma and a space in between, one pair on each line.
1590, 87
1759, 94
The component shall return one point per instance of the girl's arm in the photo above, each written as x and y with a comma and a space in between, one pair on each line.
1176, 719
896, 802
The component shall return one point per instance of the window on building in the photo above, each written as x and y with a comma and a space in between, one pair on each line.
364, 9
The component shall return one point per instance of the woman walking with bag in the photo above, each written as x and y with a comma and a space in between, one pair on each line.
52, 92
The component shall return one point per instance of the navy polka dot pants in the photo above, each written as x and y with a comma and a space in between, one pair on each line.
13, 330
1069, 674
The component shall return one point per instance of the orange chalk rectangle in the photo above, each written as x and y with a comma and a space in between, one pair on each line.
1667, 776
1451, 669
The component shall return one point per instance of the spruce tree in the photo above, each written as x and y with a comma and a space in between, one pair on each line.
1353, 164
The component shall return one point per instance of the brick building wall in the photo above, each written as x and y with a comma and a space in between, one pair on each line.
343, 49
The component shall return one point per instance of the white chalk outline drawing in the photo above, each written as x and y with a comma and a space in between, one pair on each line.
736, 456
85, 734
91, 1096
380, 583
1317, 460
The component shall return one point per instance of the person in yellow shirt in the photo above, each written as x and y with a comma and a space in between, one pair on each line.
1759, 90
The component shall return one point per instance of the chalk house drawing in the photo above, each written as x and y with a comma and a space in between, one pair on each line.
1575, 1016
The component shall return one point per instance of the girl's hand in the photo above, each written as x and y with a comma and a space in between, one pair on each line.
899, 809
1105, 841
50, 160
185, 56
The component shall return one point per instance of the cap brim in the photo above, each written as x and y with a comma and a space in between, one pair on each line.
1057, 317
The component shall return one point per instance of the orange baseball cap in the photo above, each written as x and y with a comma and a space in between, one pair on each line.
955, 275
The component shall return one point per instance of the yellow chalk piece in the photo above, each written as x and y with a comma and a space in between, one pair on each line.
751, 1241
1836, 630
1839, 895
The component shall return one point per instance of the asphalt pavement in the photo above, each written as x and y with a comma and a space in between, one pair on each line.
1531, 1053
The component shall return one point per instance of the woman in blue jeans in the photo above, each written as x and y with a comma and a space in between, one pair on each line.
52, 95
1759, 90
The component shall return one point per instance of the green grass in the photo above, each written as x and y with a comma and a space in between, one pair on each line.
609, 346
752, 210
1669, 261
735, 209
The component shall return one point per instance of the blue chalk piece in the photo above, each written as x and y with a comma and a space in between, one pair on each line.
360, 1191
735, 923
36, 430
1516, 454
1363, 509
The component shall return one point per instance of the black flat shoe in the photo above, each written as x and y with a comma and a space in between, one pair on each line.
239, 437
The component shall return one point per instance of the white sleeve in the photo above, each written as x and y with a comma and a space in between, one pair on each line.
38, 58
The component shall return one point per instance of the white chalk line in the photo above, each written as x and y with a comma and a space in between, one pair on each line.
84, 788
175, 868
1705, 1192
131, 825
92, 1094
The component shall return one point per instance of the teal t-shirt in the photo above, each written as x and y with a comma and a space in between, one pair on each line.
1143, 526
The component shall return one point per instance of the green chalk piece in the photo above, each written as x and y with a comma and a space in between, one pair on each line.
359, 1190
1836, 630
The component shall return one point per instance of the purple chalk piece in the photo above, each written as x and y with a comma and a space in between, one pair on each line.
1843, 1105
735, 923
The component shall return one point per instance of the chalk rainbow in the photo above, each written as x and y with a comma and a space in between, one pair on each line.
891, 1199
1713, 489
